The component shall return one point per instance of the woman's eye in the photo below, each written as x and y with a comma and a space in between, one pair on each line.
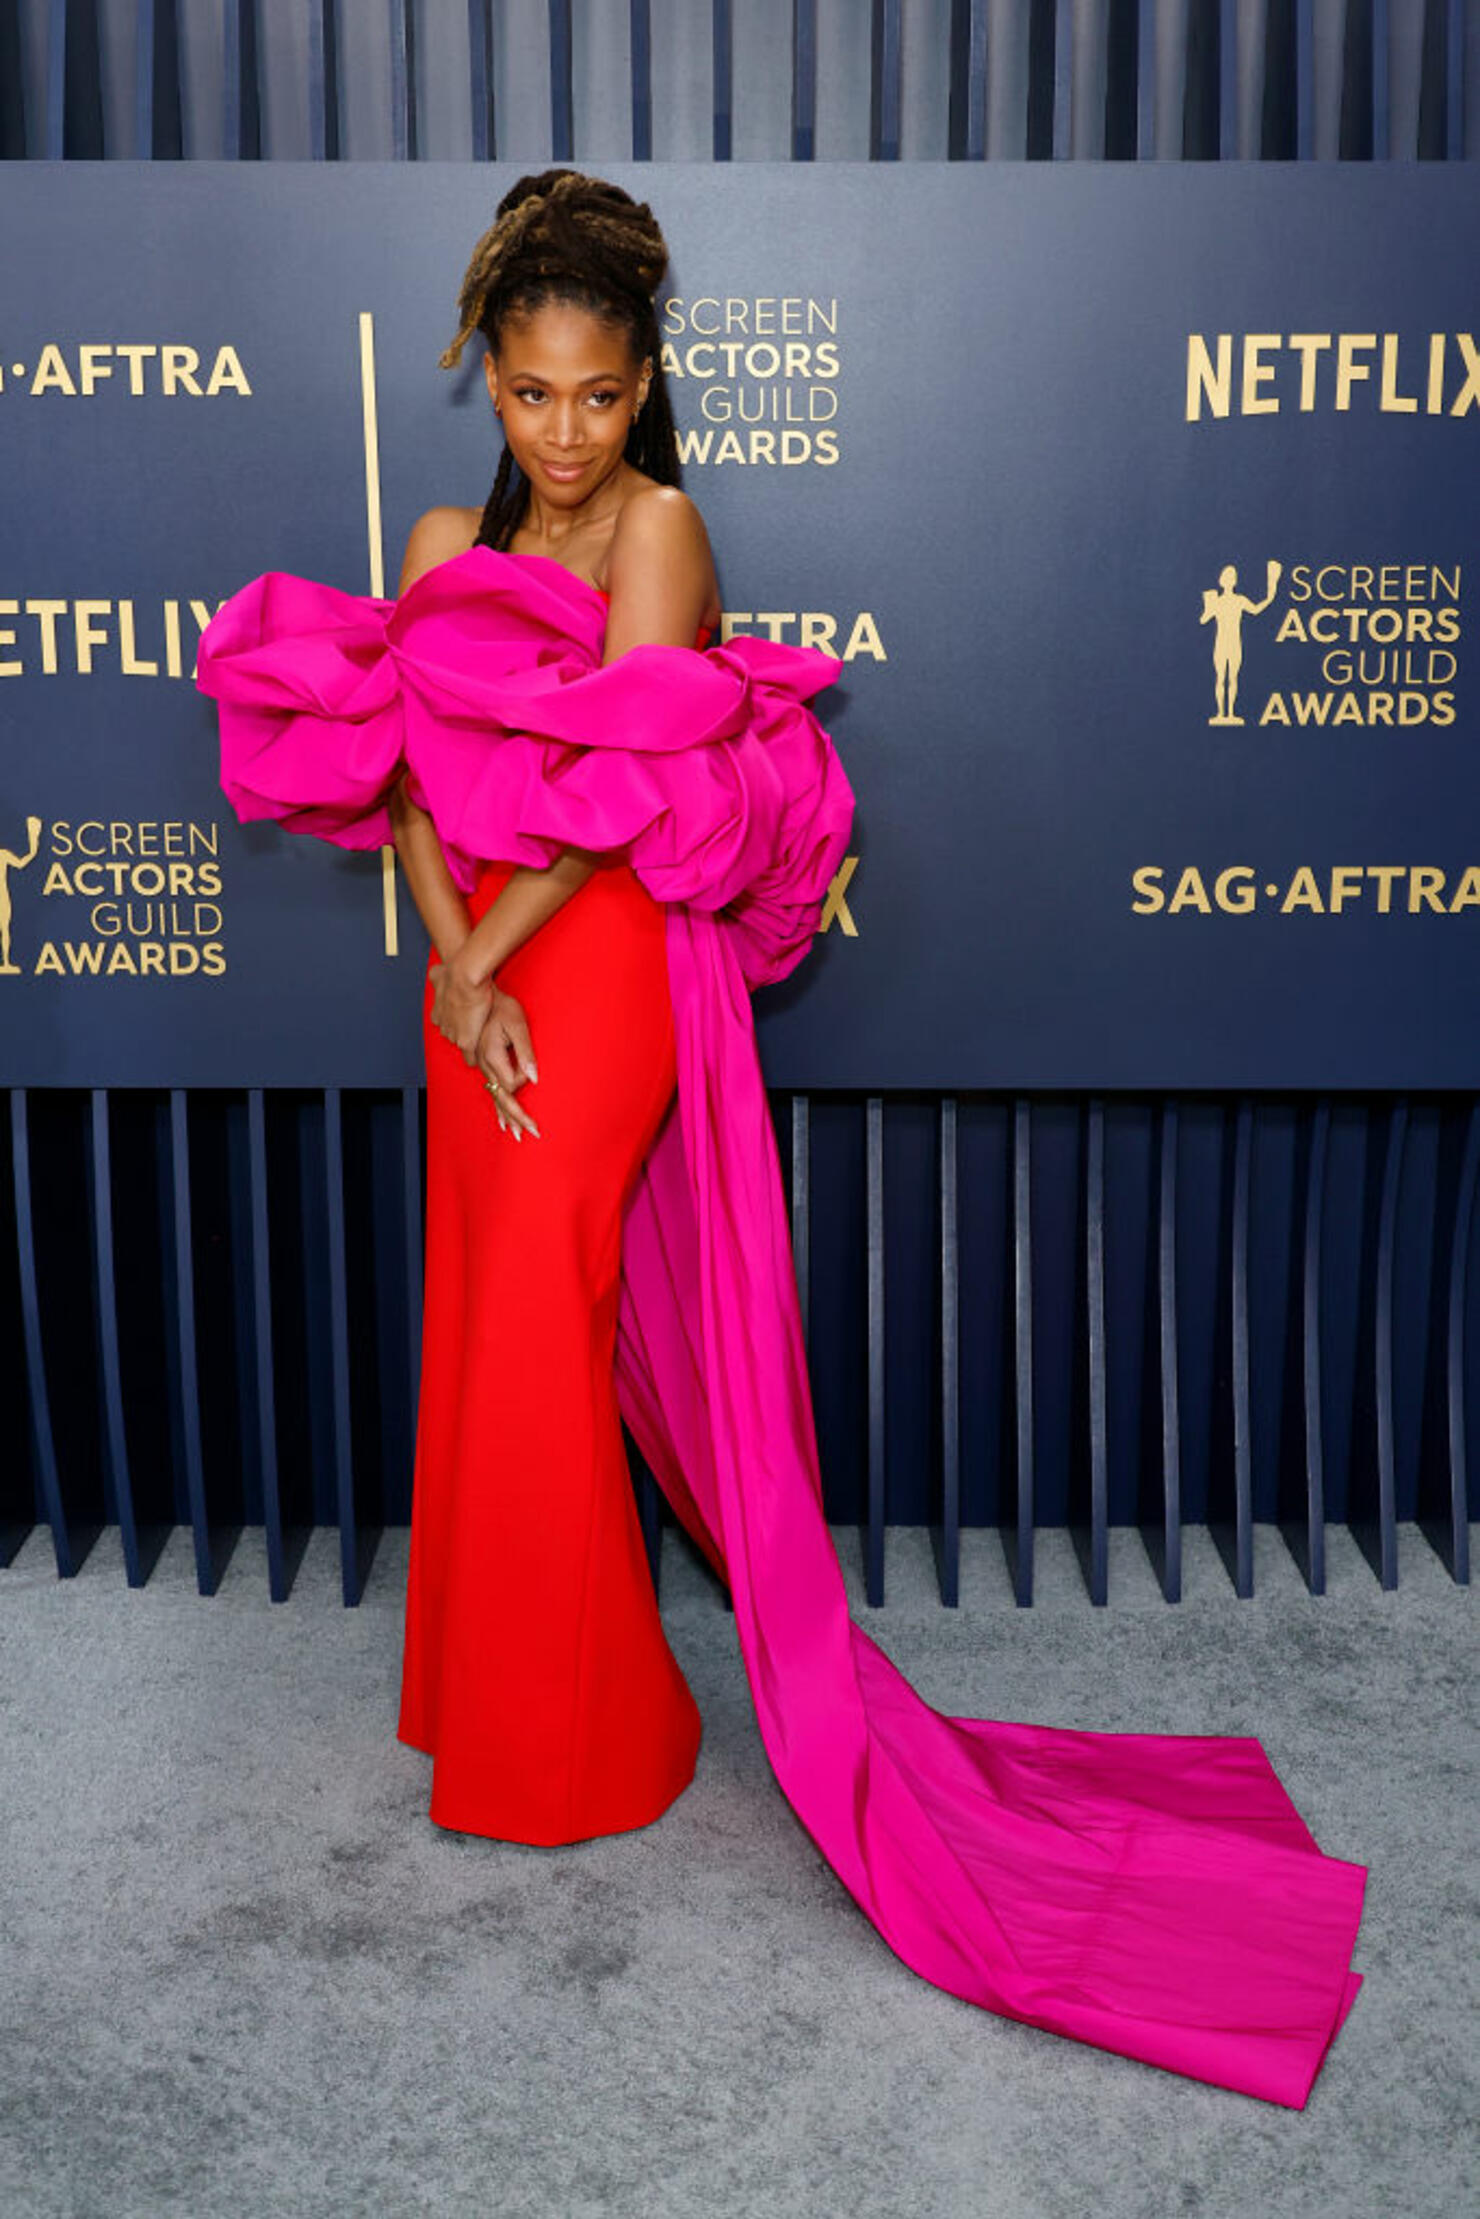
532, 393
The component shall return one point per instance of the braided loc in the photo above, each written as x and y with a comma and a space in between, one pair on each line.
563, 236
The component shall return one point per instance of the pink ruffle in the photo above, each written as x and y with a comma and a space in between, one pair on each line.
705, 771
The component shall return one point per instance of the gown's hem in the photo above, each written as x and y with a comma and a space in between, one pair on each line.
441, 1814
555, 1838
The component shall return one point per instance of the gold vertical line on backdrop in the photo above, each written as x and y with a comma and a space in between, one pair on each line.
377, 579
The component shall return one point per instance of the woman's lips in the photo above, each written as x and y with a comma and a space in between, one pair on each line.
563, 470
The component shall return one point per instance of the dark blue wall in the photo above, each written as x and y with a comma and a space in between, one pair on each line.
1126, 1309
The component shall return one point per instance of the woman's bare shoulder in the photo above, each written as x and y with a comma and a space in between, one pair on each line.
660, 527
436, 536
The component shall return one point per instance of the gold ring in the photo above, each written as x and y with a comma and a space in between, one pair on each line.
492, 1085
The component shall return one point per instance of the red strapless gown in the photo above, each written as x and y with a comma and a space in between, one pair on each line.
535, 1669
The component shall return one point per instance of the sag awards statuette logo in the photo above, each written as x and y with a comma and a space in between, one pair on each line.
1225, 607
1350, 644
10, 861
125, 898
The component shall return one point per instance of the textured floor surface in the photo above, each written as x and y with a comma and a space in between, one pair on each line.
241, 1972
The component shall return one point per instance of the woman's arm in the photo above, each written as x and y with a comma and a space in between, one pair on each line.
442, 908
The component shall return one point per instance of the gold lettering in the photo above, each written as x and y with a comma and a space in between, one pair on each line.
1468, 396
46, 614
177, 368
1389, 397
1348, 368
1257, 373
1308, 344
87, 634
1206, 382
227, 374
133, 667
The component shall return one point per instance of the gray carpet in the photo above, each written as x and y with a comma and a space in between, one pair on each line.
241, 1972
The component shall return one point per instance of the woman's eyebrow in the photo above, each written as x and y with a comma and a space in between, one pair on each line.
537, 377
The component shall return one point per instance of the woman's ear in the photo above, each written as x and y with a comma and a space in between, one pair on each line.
490, 377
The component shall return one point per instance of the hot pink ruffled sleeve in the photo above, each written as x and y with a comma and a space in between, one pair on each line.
706, 771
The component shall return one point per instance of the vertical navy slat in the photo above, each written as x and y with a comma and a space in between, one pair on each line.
1097, 1568
874, 1189
231, 81
562, 84
1305, 80
282, 1562
976, 82
641, 42
1163, 1537
480, 78
241, 137
1454, 81
143, 87
724, 79
947, 1532
1387, 1244
404, 147
1314, 1313
1241, 1406
15, 137
1454, 1546
1381, 115
207, 1573
351, 1560
1063, 80
801, 1205
411, 1225
887, 74
56, 80
325, 96
105, 1294
650, 1521
42, 1440
168, 139
1227, 80
1146, 81
803, 80
1307, 1537
1017, 1535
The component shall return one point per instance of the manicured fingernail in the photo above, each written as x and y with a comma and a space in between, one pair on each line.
529, 1067
518, 1134
537, 1133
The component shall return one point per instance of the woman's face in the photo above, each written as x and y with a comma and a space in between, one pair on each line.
566, 386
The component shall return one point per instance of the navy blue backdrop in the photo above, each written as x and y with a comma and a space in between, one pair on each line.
1051, 457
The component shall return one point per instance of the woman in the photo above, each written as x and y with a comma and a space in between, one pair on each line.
612, 838
535, 1668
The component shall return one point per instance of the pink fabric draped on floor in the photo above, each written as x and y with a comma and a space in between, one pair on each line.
1154, 1894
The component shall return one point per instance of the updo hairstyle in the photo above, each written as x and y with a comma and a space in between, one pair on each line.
562, 236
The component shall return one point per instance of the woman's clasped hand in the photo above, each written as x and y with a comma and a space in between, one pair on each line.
490, 1031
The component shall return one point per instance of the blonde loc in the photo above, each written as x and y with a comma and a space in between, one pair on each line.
541, 232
